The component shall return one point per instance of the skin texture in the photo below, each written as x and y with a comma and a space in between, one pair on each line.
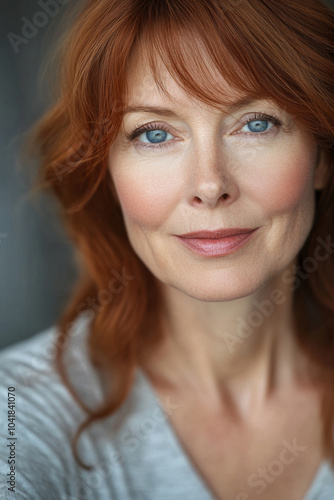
216, 172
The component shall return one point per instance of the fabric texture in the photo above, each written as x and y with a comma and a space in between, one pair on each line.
135, 452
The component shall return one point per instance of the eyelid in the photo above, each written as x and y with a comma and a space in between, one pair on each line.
260, 116
248, 118
140, 129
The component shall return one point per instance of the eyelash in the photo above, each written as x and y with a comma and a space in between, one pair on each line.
156, 126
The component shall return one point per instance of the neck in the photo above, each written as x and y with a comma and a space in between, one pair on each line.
242, 350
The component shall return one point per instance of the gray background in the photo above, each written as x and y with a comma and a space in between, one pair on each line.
36, 263
36, 260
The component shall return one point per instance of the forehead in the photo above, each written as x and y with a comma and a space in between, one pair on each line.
163, 87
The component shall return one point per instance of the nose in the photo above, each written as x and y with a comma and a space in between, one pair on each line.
212, 181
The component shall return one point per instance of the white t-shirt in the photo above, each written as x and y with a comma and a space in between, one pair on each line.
136, 453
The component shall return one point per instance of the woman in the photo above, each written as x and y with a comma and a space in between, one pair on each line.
191, 365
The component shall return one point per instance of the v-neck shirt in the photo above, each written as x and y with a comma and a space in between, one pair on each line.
135, 452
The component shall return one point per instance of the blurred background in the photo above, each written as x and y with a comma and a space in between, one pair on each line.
36, 263
37, 267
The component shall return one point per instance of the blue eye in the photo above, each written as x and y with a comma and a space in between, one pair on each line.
258, 125
156, 136
151, 135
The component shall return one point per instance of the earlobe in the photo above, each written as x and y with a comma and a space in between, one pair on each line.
321, 170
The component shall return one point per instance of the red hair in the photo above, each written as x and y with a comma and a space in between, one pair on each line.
282, 51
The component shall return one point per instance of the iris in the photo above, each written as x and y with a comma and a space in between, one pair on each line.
258, 125
156, 135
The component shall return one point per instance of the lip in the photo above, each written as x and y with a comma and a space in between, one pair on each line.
217, 233
212, 244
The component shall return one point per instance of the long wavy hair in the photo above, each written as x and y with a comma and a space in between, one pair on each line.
280, 50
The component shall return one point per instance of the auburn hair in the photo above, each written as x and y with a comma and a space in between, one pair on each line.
279, 50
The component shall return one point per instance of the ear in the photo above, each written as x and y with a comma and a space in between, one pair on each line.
321, 169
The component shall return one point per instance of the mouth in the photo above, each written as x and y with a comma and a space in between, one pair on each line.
217, 233
217, 243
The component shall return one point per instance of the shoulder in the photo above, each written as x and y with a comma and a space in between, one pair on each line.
30, 365
38, 415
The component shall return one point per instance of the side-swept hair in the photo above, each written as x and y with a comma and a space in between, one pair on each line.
280, 50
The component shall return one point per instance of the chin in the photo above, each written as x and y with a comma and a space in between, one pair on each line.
221, 292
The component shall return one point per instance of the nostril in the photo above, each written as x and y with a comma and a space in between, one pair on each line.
225, 195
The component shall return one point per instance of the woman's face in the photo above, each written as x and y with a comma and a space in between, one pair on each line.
200, 168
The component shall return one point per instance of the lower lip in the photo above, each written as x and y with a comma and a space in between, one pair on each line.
217, 247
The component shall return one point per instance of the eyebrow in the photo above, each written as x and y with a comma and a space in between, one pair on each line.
168, 112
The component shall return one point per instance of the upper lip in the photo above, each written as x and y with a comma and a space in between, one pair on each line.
217, 233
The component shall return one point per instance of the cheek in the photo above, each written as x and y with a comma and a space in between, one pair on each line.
147, 197
285, 182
